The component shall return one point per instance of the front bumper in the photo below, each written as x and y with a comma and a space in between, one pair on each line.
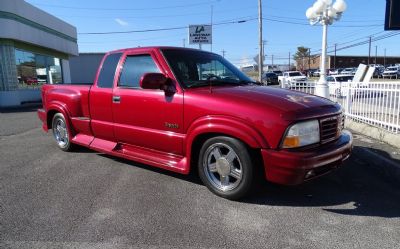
295, 167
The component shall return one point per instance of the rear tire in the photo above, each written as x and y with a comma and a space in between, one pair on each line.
225, 167
61, 132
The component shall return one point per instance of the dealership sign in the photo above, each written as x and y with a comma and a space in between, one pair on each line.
200, 34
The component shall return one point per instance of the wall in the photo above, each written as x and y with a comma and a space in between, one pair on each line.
25, 27
16, 98
21, 21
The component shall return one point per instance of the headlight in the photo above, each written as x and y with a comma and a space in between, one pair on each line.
302, 134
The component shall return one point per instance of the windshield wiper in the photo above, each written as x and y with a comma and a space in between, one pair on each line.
219, 82
199, 84
213, 83
248, 82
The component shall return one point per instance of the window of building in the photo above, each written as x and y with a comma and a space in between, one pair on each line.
134, 68
36, 69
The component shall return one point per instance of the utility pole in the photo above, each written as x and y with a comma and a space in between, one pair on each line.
384, 58
309, 59
184, 45
376, 54
212, 10
223, 53
263, 47
263, 51
272, 62
289, 62
369, 50
334, 58
260, 41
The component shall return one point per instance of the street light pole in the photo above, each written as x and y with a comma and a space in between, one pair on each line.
324, 12
260, 42
322, 88
334, 60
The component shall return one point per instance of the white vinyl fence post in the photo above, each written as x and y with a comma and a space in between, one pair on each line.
348, 100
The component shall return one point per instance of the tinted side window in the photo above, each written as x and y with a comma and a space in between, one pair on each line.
106, 76
134, 68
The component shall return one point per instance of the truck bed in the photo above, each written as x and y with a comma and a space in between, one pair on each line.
75, 96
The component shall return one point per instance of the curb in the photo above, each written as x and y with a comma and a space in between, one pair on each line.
374, 132
21, 108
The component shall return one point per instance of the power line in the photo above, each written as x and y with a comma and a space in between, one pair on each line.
351, 41
307, 24
160, 29
302, 19
367, 41
127, 9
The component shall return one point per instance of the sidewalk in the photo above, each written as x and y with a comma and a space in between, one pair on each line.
383, 158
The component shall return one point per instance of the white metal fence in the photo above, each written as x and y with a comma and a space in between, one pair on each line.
374, 103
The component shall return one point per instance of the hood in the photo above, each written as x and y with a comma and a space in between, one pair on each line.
298, 77
290, 105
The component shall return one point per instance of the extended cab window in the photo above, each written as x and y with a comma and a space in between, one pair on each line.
107, 72
134, 68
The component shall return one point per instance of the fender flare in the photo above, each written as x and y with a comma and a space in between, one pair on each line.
61, 108
227, 125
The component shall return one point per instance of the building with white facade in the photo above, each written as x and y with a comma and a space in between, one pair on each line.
35, 48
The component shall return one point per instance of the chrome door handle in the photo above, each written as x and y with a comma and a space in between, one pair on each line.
116, 99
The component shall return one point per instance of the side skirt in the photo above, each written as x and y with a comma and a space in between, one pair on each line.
151, 157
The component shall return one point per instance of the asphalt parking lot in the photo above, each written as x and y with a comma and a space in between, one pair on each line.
54, 199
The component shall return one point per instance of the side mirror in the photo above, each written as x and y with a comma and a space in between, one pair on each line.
153, 81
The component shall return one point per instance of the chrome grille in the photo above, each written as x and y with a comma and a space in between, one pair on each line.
330, 128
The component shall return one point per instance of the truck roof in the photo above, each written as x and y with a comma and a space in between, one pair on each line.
154, 48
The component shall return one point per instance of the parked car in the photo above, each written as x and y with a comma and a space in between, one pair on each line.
42, 79
270, 78
335, 71
317, 73
337, 82
30, 80
391, 72
378, 72
169, 114
278, 73
349, 71
292, 79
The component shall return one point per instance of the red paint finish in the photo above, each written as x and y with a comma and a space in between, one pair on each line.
290, 167
159, 127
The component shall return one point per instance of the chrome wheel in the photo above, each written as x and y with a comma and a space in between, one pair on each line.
222, 167
60, 132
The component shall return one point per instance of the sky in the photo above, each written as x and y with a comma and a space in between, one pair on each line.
285, 26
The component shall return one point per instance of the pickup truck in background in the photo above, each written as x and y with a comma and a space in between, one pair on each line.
292, 79
185, 109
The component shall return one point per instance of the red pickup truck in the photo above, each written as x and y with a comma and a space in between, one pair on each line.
185, 109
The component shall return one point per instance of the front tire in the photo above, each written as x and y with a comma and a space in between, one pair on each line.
61, 132
225, 167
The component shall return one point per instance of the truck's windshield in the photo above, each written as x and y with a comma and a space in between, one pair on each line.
198, 68
295, 74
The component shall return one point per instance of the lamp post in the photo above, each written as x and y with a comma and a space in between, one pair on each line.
324, 12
